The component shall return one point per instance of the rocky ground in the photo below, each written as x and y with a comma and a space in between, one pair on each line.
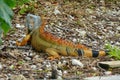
92, 23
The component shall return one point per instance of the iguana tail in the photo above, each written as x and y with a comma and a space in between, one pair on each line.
91, 53
54, 52
69, 51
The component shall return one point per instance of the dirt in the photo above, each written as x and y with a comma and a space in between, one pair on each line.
92, 23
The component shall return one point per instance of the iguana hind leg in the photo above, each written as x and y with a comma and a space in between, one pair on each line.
52, 53
24, 41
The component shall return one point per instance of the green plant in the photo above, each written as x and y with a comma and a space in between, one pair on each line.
26, 9
21, 2
114, 51
25, 6
10, 3
6, 14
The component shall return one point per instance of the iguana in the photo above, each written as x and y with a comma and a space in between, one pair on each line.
54, 47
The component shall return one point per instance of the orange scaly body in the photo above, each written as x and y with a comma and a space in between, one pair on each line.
55, 40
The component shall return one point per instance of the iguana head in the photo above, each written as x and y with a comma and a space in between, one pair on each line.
32, 22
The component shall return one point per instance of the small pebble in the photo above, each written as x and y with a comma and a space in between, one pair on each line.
11, 67
118, 28
77, 63
56, 11
27, 58
94, 68
19, 26
59, 78
1, 67
82, 33
65, 72
74, 40
59, 72
64, 62
33, 66
108, 73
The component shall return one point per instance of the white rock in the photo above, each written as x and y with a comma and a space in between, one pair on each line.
59, 72
74, 40
65, 72
59, 78
100, 37
22, 26
118, 28
108, 73
59, 63
60, 24
94, 68
31, 54
48, 65
33, 66
19, 26
117, 43
71, 17
82, 41
36, 56
27, 58
1, 67
77, 63
82, 33
23, 35
56, 11
64, 61
40, 69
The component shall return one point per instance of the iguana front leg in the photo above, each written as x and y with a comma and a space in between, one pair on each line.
52, 53
24, 41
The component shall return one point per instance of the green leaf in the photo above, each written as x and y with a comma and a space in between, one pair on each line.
114, 51
0, 35
5, 16
4, 27
21, 2
5, 12
10, 3
0, 41
23, 10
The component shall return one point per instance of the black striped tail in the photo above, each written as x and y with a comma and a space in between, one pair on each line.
91, 53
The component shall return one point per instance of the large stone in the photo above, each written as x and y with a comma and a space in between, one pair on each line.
111, 77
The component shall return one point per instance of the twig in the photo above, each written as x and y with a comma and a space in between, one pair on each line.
7, 55
64, 29
90, 37
17, 47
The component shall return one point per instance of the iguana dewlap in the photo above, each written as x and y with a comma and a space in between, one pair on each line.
54, 47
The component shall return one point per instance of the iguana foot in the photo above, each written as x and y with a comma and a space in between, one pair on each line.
24, 41
52, 53
53, 57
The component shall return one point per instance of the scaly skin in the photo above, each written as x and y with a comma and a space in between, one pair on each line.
42, 40
55, 40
